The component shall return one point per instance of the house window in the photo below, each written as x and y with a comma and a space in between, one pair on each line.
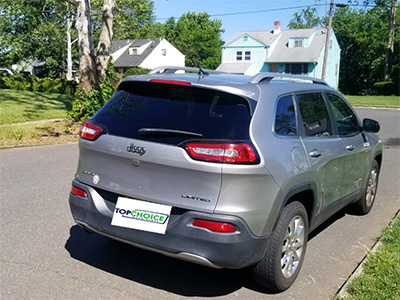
296, 69
298, 43
245, 38
133, 51
239, 55
247, 55
164, 52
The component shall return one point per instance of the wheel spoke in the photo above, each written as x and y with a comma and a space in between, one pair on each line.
292, 246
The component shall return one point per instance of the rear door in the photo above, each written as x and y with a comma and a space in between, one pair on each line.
142, 153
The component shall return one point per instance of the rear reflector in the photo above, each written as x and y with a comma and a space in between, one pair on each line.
170, 81
78, 192
222, 152
89, 131
215, 226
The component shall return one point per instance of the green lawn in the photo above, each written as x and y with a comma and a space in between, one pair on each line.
374, 101
24, 106
380, 278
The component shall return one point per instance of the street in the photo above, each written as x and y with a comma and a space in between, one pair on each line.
44, 255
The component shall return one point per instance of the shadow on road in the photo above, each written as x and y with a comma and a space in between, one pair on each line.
161, 272
153, 269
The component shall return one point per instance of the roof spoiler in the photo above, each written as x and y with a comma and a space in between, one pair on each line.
267, 77
174, 69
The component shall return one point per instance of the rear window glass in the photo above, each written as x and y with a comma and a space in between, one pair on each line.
170, 113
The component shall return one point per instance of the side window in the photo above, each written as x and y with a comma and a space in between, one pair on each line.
315, 115
346, 121
285, 118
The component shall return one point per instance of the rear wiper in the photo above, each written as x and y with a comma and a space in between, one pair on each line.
170, 132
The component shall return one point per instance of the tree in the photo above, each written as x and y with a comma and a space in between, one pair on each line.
363, 35
307, 18
390, 47
105, 39
87, 70
193, 31
42, 30
34, 30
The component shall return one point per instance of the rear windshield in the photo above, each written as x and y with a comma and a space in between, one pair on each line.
171, 113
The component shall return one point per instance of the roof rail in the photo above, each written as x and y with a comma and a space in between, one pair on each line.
174, 69
267, 77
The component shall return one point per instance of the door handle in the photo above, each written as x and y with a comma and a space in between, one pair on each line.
350, 147
315, 153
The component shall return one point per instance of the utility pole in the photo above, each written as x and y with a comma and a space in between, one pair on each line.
327, 42
390, 47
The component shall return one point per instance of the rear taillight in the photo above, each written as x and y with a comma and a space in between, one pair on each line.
222, 152
215, 226
90, 131
78, 192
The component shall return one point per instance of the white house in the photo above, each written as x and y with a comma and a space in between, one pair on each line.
145, 53
295, 51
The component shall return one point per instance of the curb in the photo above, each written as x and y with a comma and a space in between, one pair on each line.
342, 292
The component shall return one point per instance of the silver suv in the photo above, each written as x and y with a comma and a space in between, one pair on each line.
224, 170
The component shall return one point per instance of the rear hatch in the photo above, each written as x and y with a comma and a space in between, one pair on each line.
166, 142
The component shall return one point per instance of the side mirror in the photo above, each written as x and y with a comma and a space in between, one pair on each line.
370, 125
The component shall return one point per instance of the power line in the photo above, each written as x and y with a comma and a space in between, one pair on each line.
255, 11
266, 10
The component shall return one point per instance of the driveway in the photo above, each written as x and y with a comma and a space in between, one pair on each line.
44, 255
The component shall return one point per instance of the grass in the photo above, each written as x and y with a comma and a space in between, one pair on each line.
374, 101
380, 278
43, 133
24, 106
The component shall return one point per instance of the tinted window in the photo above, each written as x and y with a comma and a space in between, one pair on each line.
285, 119
346, 121
315, 115
207, 113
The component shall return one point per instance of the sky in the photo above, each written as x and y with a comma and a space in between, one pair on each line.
240, 15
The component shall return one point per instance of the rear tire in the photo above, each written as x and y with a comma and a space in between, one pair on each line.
365, 203
286, 247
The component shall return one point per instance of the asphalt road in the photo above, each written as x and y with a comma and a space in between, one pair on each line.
44, 255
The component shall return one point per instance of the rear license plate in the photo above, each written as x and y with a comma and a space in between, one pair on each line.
141, 215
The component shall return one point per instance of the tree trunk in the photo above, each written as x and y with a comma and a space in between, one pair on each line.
390, 47
87, 71
105, 39
69, 50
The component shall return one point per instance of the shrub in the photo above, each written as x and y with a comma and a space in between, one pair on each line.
14, 82
87, 104
385, 88
136, 71
35, 84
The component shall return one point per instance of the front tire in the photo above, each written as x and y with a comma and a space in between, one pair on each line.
365, 203
286, 247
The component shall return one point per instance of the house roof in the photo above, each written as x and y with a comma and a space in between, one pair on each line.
234, 68
126, 60
265, 37
282, 53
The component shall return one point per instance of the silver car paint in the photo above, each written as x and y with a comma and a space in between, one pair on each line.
254, 193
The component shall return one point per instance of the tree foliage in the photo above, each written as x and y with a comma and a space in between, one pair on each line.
193, 31
307, 18
132, 19
363, 36
34, 30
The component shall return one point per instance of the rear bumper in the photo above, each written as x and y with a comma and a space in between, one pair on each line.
181, 240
